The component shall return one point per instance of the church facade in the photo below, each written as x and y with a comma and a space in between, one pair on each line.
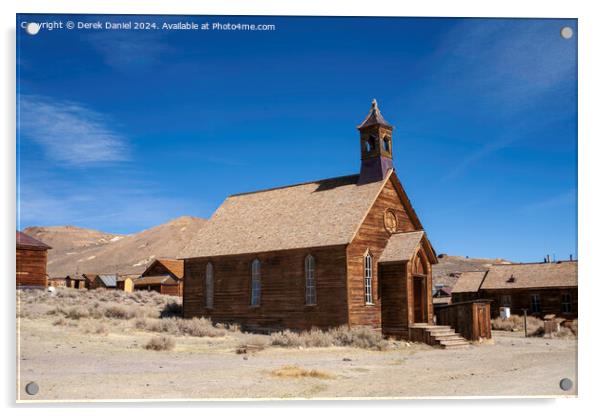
342, 251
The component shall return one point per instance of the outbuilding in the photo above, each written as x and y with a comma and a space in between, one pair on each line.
31, 262
165, 276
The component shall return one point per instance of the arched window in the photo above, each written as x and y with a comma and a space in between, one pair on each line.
310, 280
371, 143
209, 285
368, 278
255, 282
387, 144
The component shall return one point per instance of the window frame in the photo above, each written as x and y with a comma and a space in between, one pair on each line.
506, 304
255, 283
535, 296
368, 277
566, 305
311, 295
209, 286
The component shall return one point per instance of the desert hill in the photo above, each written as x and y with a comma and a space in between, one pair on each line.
83, 250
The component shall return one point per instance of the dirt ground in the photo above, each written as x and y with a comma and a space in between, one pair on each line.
70, 365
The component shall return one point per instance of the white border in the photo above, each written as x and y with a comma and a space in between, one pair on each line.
590, 159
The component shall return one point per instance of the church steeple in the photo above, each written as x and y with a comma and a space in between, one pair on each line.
376, 145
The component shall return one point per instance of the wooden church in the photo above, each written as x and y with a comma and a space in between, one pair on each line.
342, 251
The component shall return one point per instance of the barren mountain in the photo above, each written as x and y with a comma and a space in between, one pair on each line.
82, 250
445, 272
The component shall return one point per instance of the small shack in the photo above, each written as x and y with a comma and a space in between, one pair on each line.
57, 281
441, 296
90, 280
105, 281
165, 276
32, 260
75, 281
125, 282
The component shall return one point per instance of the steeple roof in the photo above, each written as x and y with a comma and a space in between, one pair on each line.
374, 117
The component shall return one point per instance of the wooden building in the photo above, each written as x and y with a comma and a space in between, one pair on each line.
125, 282
105, 281
56, 281
539, 288
75, 282
165, 276
343, 251
90, 280
31, 262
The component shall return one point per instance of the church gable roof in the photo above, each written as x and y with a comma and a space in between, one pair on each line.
321, 213
401, 246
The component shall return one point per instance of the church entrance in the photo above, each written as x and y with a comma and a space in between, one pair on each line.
419, 300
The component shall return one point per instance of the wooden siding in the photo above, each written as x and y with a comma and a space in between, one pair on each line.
470, 319
282, 303
394, 299
31, 267
550, 301
372, 236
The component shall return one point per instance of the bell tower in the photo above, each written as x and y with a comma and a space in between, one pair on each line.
376, 145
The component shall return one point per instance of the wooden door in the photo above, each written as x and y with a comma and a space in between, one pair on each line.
418, 296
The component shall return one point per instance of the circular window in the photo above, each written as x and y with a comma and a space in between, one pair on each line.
390, 221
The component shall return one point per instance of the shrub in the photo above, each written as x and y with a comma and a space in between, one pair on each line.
358, 337
119, 312
286, 339
96, 328
172, 309
199, 327
77, 312
161, 343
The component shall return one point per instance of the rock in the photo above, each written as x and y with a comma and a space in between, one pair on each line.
346, 359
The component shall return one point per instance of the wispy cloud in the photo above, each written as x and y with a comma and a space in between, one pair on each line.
512, 63
480, 153
562, 199
127, 207
127, 50
69, 132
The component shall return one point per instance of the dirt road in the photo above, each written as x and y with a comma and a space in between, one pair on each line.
69, 365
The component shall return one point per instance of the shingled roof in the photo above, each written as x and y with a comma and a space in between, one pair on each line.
532, 275
401, 246
26, 241
174, 266
469, 281
321, 213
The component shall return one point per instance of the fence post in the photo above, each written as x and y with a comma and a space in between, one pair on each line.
525, 321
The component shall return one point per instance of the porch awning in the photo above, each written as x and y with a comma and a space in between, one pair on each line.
401, 246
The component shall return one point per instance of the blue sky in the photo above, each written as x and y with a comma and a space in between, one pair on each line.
124, 130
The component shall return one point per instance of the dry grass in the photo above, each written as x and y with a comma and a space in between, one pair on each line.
160, 343
516, 323
358, 337
293, 371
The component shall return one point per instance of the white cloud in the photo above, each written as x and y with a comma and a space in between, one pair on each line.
562, 199
70, 132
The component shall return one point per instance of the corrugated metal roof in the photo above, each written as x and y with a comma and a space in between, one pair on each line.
108, 280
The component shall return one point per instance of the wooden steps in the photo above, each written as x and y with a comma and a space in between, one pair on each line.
440, 335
